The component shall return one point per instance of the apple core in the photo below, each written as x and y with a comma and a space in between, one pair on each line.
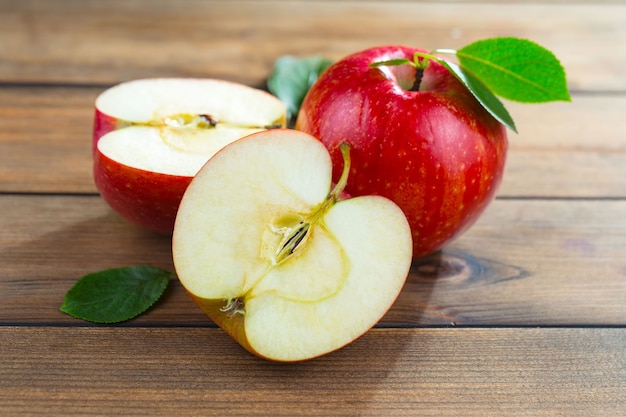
296, 233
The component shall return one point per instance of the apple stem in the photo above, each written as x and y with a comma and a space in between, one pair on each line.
416, 63
420, 62
343, 179
419, 74
420, 65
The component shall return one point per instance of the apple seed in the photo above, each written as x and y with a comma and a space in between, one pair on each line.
291, 242
200, 121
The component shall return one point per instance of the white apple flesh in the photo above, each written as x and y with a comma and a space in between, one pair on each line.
277, 259
151, 137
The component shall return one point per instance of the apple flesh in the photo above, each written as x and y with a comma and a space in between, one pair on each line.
277, 259
151, 136
419, 138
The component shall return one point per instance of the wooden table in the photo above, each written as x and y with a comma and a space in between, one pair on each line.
525, 314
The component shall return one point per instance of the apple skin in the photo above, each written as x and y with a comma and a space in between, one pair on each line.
147, 199
437, 152
233, 325
103, 124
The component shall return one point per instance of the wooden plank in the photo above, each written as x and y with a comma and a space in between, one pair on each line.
426, 372
563, 149
73, 41
525, 262
45, 137
568, 149
538, 262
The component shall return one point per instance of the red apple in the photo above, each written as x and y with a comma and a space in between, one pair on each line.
152, 136
428, 145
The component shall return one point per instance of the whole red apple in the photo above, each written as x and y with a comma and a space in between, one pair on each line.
418, 137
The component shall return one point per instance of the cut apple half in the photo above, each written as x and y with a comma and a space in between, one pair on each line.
277, 258
151, 136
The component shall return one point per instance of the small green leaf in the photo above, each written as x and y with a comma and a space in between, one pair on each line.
291, 79
486, 98
516, 69
115, 295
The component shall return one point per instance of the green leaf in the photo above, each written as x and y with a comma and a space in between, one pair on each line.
291, 79
486, 98
115, 295
516, 69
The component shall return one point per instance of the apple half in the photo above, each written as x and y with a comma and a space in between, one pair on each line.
151, 136
278, 259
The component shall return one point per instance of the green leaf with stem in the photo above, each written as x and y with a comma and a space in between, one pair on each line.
484, 96
115, 295
512, 68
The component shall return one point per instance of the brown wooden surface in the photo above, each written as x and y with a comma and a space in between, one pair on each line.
523, 315
388, 372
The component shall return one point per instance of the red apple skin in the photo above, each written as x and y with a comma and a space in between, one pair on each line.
103, 124
148, 199
437, 153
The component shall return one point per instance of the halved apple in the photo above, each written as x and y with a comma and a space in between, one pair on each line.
279, 260
151, 136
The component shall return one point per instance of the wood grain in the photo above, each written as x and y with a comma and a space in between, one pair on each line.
523, 315
46, 139
563, 149
526, 262
76, 41
425, 372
